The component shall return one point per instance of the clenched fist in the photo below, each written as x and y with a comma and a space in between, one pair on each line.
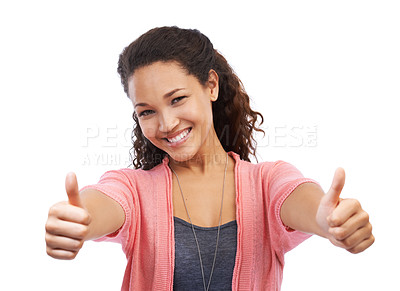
67, 224
345, 222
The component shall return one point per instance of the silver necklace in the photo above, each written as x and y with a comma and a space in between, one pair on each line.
194, 233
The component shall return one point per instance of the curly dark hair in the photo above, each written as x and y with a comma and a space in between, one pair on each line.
234, 120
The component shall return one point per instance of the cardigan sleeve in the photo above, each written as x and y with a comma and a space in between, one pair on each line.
283, 178
118, 185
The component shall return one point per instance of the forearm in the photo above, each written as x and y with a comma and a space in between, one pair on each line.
299, 210
106, 215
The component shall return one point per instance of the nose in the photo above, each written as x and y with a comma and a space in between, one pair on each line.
167, 122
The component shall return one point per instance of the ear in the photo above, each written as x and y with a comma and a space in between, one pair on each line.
213, 85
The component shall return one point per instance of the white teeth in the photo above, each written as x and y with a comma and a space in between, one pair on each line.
179, 137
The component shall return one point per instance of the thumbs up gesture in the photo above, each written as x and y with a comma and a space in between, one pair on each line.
67, 224
343, 221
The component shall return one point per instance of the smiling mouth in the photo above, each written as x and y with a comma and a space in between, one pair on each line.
179, 137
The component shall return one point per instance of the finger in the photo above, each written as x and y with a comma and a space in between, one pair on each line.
66, 228
336, 187
363, 245
356, 237
349, 227
344, 210
68, 212
71, 186
64, 243
61, 254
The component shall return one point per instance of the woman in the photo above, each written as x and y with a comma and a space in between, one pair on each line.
195, 214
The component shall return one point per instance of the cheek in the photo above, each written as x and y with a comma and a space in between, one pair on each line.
148, 129
199, 112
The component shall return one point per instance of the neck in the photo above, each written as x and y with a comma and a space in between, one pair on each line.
202, 162
207, 159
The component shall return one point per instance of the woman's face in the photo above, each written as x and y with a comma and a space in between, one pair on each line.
174, 109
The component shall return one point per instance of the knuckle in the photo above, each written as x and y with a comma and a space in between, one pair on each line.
354, 251
50, 226
335, 220
347, 243
356, 203
77, 245
82, 231
365, 217
369, 228
57, 209
372, 239
48, 238
71, 255
87, 218
53, 211
61, 254
336, 242
52, 253
80, 244
340, 234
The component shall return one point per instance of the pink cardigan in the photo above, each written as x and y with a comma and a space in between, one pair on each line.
147, 235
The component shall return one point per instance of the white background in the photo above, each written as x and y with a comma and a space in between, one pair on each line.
325, 75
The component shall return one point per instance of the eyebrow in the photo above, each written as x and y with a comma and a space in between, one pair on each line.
169, 94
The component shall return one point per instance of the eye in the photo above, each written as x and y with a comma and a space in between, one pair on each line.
145, 113
177, 99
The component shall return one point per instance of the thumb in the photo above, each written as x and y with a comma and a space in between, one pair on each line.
71, 186
336, 188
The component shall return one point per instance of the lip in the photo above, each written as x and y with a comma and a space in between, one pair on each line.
171, 136
175, 134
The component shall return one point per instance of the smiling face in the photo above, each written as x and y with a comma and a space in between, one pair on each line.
174, 109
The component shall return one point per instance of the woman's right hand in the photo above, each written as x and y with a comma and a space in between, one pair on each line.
68, 224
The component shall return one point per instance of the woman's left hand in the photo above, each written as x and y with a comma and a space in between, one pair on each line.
343, 221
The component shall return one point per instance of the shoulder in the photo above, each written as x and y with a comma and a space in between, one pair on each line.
267, 174
265, 168
266, 171
134, 177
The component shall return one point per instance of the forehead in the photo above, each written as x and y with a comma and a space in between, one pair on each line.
157, 79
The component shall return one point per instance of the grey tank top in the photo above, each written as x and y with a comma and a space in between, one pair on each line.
187, 273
